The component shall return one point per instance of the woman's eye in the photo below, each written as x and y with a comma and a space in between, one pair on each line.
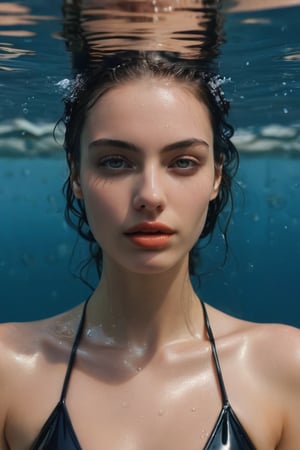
184, 163
114, 163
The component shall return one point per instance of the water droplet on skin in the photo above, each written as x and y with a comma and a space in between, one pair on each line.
138, 369
69, 332
203, 434
193, 409
161, 412
89, 332
109, 341
139, 351
124, 404
126, 363
64, 330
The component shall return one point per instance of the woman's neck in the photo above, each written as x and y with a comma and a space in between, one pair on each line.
146, 309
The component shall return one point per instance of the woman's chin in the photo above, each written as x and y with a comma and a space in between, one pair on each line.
148, 264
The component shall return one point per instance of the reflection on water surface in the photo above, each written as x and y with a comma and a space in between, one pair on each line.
188, 28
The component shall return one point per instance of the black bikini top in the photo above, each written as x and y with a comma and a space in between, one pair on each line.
58, 432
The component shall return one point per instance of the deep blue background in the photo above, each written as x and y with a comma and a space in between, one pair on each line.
261, 279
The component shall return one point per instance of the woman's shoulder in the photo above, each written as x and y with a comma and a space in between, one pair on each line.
278, 350
24, 344
17, 341
272, 347
267, 356
32, 355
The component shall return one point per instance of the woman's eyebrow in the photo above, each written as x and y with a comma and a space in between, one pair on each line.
115, 143
192, 142
124, 145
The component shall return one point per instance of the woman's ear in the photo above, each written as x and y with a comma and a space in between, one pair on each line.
217, 180
75, 182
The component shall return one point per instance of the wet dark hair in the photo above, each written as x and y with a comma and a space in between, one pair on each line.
205, 85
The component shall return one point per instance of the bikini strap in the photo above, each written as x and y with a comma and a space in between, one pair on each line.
73, 353
215, 356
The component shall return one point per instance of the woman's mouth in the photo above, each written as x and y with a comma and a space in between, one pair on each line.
150, 235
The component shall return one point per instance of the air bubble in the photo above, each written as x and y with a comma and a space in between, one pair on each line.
250, 267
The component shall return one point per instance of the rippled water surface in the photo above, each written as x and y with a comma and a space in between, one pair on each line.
258, 51
42, 44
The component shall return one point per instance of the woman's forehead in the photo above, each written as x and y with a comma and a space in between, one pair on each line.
149, 92
148, 111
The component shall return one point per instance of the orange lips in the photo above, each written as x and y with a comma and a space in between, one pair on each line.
150, 241
150, 235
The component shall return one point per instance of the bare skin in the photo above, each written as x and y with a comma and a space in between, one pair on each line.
173, 402
144, 377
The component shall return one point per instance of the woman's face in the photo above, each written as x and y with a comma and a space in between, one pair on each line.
147, 174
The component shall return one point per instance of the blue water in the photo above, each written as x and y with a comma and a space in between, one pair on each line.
261, 279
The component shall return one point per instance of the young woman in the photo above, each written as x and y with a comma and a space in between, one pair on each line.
144, 364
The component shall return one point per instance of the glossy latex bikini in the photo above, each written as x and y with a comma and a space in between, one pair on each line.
58, 433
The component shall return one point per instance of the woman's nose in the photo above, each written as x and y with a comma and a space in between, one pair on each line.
149, 193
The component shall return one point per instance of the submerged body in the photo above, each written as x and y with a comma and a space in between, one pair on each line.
144, 376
